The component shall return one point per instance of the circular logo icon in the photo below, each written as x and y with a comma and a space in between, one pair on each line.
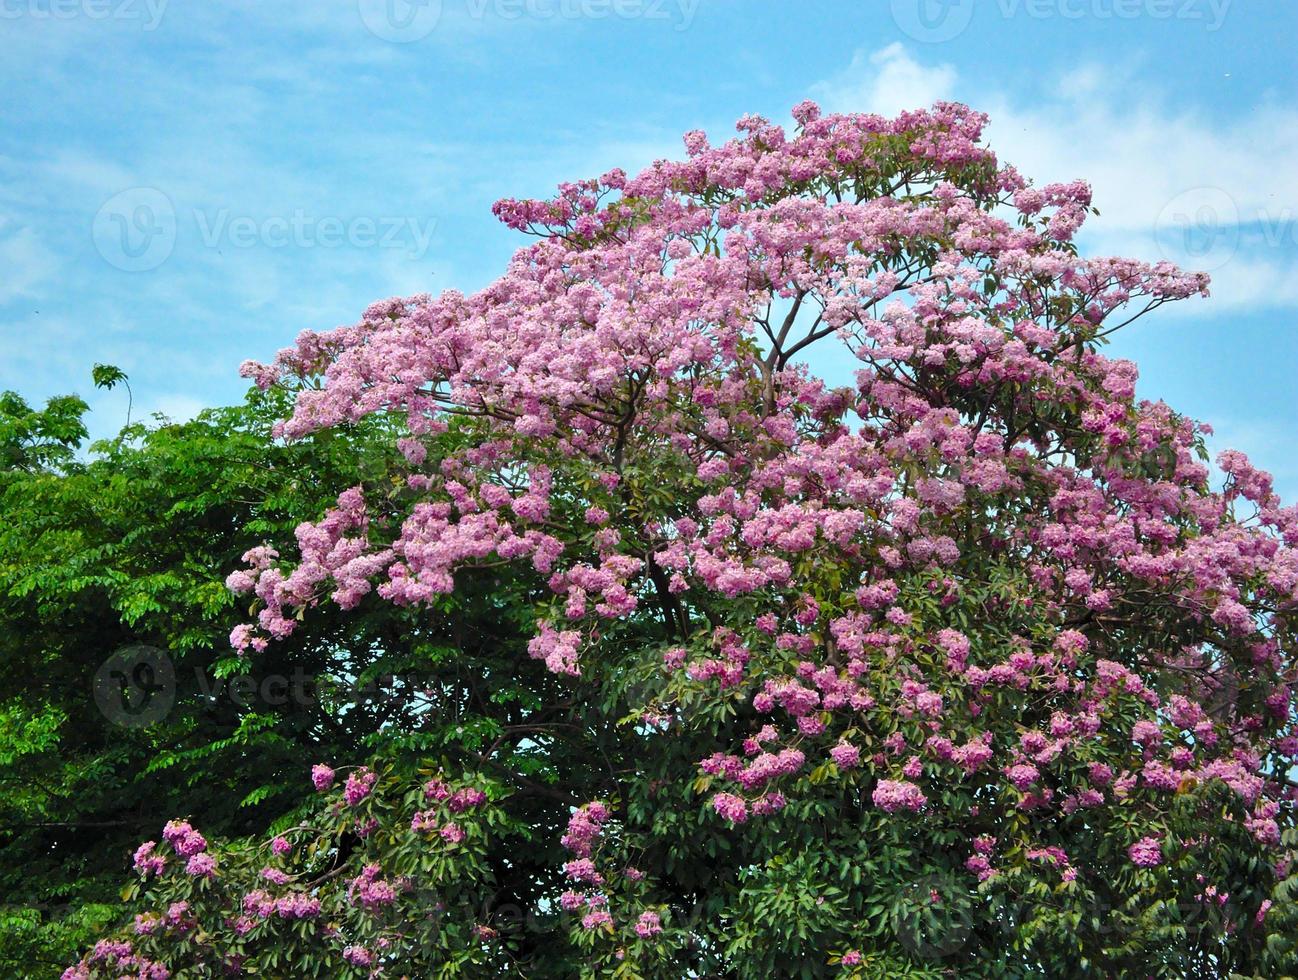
933, 916
136, 686
400, 21
932, 21
135, 230
1199, 228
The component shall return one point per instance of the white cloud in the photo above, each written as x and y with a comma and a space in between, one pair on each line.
886, 81
25, 260
1150, 167
176, 407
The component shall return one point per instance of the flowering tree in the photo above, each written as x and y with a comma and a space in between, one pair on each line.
967, 658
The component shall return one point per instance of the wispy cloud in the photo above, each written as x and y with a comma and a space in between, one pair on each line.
885, 81
1169, 183
26, 261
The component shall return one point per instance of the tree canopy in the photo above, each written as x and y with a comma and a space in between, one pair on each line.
968, 667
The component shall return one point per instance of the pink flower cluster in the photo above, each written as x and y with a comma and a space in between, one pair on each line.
893, 795
648, 925
116, 958
1146, 852
371, 891
322, 777
584, 828
358, 786
185, 839
146, 861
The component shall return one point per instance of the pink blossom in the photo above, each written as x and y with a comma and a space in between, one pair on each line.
358, 786
731, 807
1146, 852
892, 795
146, 861
322, 777
648, 925
846, 756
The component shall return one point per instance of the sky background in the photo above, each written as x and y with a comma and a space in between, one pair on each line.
187, 184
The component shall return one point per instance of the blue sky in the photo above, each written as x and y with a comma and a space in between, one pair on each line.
186, 184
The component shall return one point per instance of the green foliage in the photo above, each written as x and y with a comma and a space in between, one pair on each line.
129, 544
31, 440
